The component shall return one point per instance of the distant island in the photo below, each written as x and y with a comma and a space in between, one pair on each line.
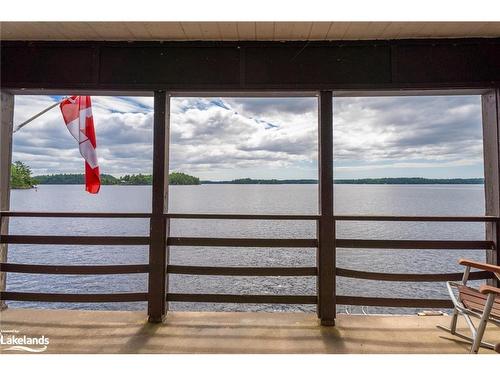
412, 181
175, 178
251, 181
21, 179
360, 181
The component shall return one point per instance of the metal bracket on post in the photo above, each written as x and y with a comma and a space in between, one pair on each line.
158, 251
326, 225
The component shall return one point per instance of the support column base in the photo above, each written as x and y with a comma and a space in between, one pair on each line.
327, 322
157, 319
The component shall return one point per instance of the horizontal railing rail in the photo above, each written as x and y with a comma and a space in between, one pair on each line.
96, 269
242, 216
414, 244
242, 242
393, 302
75, 298
74, 240
463, 219
172, 215
298, 243
409, 277
242, 298
242, 271
55, 214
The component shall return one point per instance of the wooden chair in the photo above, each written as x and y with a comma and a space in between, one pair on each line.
482, 303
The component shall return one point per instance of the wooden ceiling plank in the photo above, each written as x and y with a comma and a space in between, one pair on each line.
376, 30
78, 31
392, 30
429, 29
111, 30
337, 30
246, 30
228, 30
454, 30
264, 30
488, 29
319, 30
166, 30
284, 30
49, 30
365, 30
14, 31
192, 30
210, 31
301, 30
410, 30
139, 30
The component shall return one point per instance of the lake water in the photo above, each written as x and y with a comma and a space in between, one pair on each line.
265, 199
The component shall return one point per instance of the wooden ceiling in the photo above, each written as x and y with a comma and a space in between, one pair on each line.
222, 31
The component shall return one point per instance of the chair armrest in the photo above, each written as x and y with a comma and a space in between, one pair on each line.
487, 289
479, 265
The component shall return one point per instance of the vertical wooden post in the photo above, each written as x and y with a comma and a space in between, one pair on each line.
158, 251
491, 149
6, 126
326, 226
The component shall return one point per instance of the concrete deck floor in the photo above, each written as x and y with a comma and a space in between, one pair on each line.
76, 331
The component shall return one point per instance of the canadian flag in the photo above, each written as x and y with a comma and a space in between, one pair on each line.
77, 114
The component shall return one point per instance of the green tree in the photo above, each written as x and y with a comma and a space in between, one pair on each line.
136, 179
179, 178
20, 176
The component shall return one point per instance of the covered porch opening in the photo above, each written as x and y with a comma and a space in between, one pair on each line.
325, 243
262, 69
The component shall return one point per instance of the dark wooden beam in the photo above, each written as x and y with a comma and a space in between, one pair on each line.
326, 226
158, 250
335, 65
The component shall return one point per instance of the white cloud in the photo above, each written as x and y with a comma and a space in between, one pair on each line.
238, 137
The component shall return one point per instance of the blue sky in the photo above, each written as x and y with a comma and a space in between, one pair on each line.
226, 138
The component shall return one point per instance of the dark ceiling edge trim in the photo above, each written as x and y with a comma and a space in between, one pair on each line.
249, 44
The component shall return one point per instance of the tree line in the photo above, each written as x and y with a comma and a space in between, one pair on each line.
175, 178
360, 181
21, 179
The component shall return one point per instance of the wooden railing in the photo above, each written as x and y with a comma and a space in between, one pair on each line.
239, 271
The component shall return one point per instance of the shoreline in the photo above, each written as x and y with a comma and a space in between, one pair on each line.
267, 184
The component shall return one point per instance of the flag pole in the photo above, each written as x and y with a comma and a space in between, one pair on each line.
18, 127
